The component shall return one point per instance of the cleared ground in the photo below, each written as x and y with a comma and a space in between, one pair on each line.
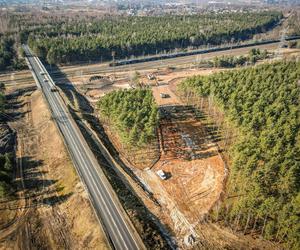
195, 171
54, 210
189, 157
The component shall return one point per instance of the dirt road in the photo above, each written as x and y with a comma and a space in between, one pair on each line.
196, 176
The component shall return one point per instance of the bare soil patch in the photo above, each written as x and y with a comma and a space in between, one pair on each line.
169, 99
17, 79
58, 214
118, 173
190, 158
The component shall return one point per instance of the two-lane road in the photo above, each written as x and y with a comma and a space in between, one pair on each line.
107, 207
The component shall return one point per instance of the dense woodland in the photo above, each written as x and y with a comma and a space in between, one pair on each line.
227, 61
64, 42
6, 159
6, 174
132, 113
263, 105
8, 55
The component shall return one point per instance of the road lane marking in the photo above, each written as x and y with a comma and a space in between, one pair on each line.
59, 109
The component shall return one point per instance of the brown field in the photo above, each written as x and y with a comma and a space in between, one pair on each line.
52, 210
17, 79
195, 170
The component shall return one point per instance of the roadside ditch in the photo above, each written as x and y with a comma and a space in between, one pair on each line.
153, 233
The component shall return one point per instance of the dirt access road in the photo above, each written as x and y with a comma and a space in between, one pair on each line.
188, 156
196, 176
52, 210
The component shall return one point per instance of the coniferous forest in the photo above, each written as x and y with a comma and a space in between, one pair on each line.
8, 55
6, 158
71, 41
132, 113
263, 104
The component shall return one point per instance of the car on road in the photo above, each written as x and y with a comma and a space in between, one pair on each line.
42, 73
53, 89
45, 80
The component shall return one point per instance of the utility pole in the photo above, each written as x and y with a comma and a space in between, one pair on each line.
113, 54
282, 43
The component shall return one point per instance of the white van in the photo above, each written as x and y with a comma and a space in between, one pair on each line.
161, 174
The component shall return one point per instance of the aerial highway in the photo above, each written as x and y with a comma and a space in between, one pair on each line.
121, 233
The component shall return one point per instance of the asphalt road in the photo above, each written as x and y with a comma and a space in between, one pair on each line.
107, 207
94, 68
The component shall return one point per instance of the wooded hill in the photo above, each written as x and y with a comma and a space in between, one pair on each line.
263, 105
122, 37
132, 113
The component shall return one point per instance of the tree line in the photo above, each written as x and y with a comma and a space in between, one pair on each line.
228, 61
6, 159
123, 37
9, 58
132, 113
6, 174
263, 105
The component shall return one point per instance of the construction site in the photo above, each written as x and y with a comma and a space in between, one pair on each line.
188, 153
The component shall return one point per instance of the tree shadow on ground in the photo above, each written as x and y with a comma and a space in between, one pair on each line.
87, 113
36, 188
182, 143
13, 104
151, 226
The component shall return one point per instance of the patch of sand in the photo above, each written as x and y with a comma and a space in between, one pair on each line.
84, 226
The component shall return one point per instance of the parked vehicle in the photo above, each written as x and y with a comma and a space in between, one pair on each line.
161, 174
163, 95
